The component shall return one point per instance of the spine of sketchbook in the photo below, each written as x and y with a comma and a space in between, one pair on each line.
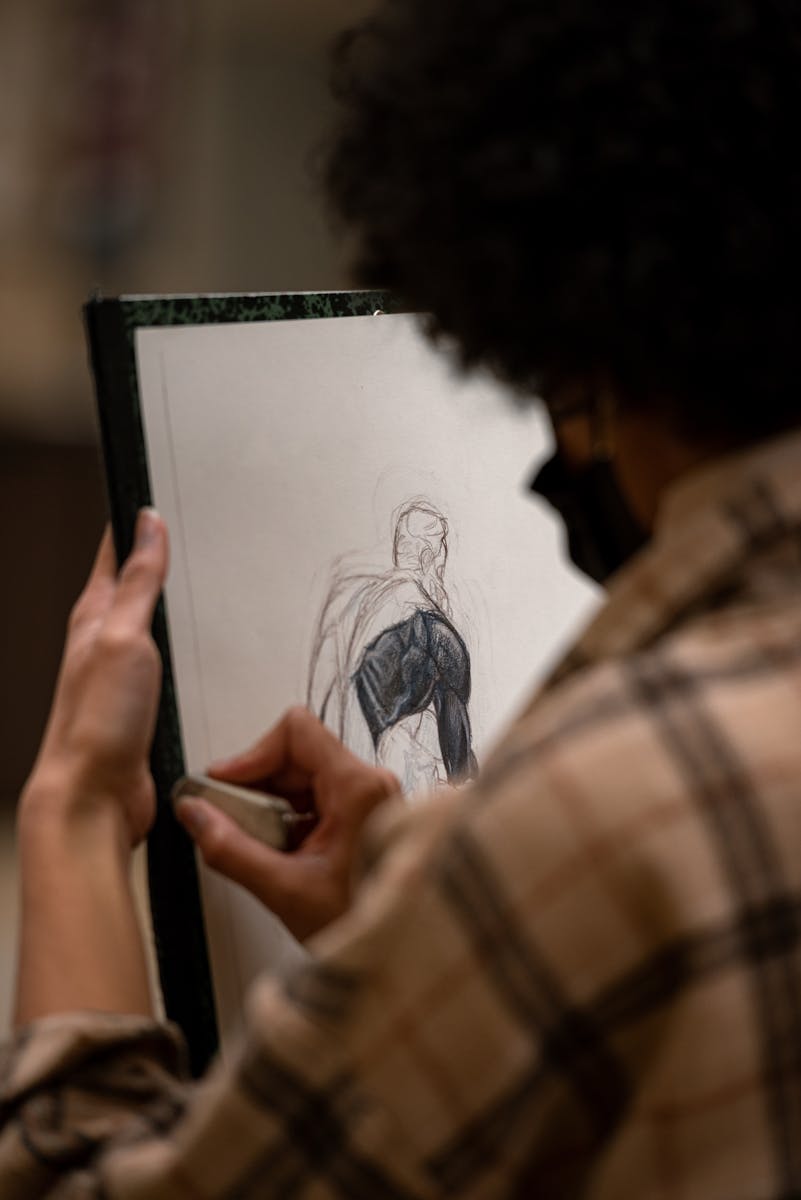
174, 891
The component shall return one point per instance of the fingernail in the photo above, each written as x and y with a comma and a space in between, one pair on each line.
148, 525
192, 816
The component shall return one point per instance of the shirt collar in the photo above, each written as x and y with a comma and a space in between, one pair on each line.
712, 482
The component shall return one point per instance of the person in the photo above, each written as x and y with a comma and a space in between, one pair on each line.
390, 672
583, 976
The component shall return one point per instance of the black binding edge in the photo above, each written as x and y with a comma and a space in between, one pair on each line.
173, 884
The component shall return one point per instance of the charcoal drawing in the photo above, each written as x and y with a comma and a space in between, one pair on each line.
390, 672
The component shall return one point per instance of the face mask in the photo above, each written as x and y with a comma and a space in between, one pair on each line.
602, 531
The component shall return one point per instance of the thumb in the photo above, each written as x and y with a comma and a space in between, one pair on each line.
296, 887
226, 847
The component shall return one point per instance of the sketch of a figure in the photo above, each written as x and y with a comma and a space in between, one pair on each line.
389, 671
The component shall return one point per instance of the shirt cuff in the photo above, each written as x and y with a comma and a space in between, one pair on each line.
56, 1047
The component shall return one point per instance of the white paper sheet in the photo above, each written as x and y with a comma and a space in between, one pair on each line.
283, 456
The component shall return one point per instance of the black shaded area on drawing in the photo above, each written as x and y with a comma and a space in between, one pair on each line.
420, 663
175, 902
387, 658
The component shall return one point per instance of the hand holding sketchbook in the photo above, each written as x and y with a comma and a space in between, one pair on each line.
350, 530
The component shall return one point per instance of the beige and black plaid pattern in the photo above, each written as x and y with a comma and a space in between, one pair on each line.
581, 979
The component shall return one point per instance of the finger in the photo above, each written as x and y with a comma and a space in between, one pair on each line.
97, 596
104, 568
344, 801
387, 783
290, 885
296, 748
142, 576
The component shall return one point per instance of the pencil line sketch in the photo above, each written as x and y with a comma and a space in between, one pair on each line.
389, 671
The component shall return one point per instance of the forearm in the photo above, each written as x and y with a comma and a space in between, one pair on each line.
80, 944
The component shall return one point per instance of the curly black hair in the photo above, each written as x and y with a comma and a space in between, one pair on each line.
587, 189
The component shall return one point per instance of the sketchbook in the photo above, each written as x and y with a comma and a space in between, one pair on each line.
351, 529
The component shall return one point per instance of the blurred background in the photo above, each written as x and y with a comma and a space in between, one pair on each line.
145, 146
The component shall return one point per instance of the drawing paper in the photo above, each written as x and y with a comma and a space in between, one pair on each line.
338, 474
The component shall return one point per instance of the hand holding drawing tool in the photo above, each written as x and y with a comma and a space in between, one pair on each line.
269, 819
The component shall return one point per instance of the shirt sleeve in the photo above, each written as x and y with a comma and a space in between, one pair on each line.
72, 1085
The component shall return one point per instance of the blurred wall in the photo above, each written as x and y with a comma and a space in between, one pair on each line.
145, 146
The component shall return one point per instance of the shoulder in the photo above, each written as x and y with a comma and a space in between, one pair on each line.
640, 792
736, 673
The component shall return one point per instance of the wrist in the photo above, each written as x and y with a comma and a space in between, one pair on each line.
56, 806
80, 945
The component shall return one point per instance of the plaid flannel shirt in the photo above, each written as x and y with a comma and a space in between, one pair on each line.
583, 978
